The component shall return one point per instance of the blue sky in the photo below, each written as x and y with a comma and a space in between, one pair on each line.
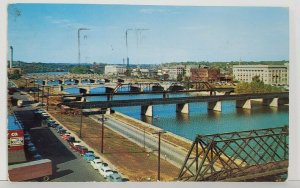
48, 33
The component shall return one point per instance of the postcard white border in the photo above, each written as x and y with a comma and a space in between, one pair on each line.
294, 168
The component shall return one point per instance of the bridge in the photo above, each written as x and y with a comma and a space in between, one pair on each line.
255, 155
182, 103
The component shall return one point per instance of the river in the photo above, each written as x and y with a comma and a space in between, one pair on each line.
200, 120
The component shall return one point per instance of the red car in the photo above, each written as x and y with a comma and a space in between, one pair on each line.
74, 144
81, 150
66, 136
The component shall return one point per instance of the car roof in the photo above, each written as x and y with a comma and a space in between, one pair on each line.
106, 168
115, 175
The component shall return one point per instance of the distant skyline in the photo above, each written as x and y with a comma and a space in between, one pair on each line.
48, 33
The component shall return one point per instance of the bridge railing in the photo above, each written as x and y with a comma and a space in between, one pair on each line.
237, 156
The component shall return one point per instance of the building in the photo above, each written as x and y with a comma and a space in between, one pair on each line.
12, 71
114, 70
269, 74
173, 72
205, 74
15, 136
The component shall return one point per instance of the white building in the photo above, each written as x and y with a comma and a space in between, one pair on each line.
269, 74
114, 70
173, 72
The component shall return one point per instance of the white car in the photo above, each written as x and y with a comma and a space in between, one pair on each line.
96, 163
105, 171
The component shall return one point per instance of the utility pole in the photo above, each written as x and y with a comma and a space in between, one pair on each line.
138, 38
126, 40
158, 159
48, 89
11, 56
102, 129
38, 92
78, 35
81, 114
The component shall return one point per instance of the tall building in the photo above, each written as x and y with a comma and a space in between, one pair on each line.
205, 74
114, 70
173, 72
269, 74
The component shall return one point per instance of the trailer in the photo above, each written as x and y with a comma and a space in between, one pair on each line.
40, 170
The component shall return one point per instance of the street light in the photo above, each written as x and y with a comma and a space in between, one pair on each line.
102, 119
158, 163
80, 29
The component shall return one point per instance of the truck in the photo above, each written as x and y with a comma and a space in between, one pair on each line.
35, 170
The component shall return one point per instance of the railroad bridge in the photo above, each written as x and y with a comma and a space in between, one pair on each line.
255, 155
182, 103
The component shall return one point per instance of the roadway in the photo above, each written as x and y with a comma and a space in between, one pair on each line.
68, 166
171, 153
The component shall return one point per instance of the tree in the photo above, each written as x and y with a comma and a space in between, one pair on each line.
179, 77
80, 70
256, 86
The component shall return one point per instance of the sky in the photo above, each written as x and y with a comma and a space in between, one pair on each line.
48, 33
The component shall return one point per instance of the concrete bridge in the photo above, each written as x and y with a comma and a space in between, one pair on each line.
182, 103
46, 76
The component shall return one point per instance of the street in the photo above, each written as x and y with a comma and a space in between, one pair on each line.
68, 166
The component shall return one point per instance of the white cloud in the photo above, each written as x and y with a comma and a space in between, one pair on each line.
66, 23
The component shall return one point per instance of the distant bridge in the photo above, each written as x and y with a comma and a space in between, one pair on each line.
182, 103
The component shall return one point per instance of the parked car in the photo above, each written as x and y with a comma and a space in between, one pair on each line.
29, 144
74, 144
27, 139
26, 134
61, 131
58, 127
71, 139
82, 150
32, 149
54, 125
105, 171
104, 165
89, 156
96, 163
37, 157
66, 136
115, 177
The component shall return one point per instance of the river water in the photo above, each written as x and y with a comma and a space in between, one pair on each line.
200, 120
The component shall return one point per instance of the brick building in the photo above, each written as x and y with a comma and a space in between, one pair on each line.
205, 74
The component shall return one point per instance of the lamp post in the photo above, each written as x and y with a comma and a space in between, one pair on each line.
48, 89
102, 130
158, 162
80, 29
81, 114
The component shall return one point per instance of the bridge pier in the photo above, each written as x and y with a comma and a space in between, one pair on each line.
109, 90
45, 82
147, 110
215, 105
183, 108
109, 97
165, 95
271, 102
246, 104
60, 88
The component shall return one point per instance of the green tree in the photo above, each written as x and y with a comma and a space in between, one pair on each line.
256, 86
179, 77
80, 70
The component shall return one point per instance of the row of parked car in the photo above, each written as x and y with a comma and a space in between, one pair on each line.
96, 162
28, 144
